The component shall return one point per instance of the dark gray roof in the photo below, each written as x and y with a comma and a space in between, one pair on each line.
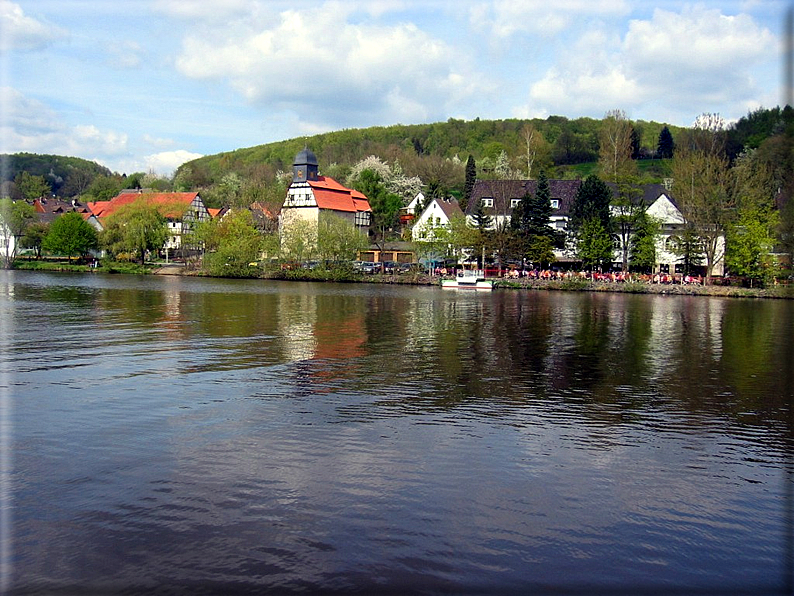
502, 191
305, 158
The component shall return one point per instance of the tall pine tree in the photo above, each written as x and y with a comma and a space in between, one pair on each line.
665, 146
471, 178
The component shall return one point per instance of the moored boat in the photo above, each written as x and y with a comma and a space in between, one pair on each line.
468, 280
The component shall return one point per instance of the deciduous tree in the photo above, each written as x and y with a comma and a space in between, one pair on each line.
135, 229
70, 235
703, 189
15, 216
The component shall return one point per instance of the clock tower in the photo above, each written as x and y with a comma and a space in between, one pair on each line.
304, 168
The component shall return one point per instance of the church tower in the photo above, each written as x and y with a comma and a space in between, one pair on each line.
305, 167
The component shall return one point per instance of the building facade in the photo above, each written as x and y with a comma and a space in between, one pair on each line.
312, 196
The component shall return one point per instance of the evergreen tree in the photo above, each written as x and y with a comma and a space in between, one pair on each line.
471, 178
635, 143
591, 201
482, 221
665, 147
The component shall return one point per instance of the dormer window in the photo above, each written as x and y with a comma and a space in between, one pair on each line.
514, 203
487, 202
555, 203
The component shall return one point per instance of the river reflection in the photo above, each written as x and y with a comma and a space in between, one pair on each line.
240, 436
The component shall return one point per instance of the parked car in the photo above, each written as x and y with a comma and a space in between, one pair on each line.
410, 268
390, 267
368, 267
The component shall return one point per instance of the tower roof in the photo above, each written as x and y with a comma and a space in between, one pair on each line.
305, 158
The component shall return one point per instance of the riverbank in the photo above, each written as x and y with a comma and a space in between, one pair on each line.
785, 292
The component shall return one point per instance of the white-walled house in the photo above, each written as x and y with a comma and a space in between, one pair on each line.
310, 196
437, 214
499, 197
182, 211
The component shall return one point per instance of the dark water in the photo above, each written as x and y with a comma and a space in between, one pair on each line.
167, 435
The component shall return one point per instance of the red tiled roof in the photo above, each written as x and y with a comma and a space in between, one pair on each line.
329, 194
214, 212
170, 204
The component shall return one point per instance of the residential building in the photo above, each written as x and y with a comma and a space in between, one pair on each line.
436, 215
499, 197
312, 196
182, 211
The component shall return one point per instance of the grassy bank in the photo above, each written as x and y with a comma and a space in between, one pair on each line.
344, 275
75, 266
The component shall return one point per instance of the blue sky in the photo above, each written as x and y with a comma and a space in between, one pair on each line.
148, 84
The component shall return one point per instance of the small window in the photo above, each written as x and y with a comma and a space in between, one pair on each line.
514, 203
487, 202
555, 204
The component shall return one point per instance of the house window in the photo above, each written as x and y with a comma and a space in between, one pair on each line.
555, 203
362, 218
514, 203
487, 202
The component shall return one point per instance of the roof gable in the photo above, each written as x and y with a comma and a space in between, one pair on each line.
171, 204
329, 194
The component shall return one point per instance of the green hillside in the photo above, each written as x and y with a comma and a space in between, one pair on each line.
568, 142
62, 173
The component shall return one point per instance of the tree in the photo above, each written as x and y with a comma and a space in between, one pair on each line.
337, 239
15, 216
385, 206
614, 158
591, 201
536, 148
749, 243
34, 236
665, 146
32, 187
594, 245
702, 188
471, 178
104, 188
135, 229
539, 250
689, 248
530, 220
70, 235
298, 240
232, 244
643, 243
481, 220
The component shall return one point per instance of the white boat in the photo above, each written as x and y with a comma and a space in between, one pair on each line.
468, 280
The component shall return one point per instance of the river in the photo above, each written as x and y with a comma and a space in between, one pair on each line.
186, 435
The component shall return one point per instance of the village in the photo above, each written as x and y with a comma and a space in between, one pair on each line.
425, 241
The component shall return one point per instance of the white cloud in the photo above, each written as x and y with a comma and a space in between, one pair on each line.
504, 18
31, 126
201, 10
125, 55
166, 162
330, 70
21, 32
696, 57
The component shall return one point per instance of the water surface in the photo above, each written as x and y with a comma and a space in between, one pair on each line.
175, 435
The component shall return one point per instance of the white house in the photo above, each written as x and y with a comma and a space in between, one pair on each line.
437, 214
497, 198
310, 196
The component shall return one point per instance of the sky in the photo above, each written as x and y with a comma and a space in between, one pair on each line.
145, 85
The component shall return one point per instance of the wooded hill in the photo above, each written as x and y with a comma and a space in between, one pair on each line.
65, 175
568, 142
